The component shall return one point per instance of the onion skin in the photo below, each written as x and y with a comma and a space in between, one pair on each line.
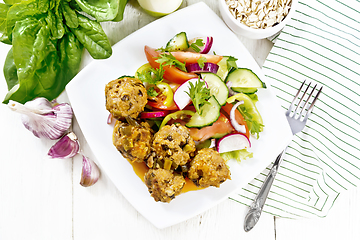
90, 173
67, 147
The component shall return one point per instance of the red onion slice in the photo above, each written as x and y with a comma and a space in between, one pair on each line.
207, 41
154, 114
208, 67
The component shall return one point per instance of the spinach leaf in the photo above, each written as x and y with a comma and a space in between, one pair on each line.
71, 19
10, 71
55, 24
70, 52
93, 37
101, 10
3, 15
11, 2
35, 59
120, 14
20, 11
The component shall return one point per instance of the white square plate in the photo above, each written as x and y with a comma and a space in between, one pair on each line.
87, 97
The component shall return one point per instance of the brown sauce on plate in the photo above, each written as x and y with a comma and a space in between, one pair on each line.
140, 169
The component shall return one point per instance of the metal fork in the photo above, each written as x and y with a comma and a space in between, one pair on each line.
297, 115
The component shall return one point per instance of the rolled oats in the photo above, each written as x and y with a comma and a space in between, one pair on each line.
259, 13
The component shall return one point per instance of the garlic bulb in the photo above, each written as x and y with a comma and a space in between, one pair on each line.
42, 119
90, 173
67, 147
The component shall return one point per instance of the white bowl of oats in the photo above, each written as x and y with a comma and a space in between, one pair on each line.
257, 19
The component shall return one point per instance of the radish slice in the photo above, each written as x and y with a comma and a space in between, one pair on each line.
208, 67
232, 142
207, 41
181, 98
153, 114
234, 123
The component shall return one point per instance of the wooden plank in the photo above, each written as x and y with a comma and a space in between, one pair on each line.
35, 191
342, 222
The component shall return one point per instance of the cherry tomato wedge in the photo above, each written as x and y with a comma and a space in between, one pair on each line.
191, 57
239, 118
217, 130
171, 74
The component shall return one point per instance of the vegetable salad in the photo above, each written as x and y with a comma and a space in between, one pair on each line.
187, 84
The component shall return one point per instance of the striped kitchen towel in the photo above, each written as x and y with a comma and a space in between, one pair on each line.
322, 44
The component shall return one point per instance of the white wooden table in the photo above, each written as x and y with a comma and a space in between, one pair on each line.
41, 198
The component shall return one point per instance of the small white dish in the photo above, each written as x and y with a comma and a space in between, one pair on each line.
87, 97
245, 31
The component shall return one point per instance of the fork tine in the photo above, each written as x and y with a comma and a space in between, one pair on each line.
295, 98
312, 104
307, 100
301, 99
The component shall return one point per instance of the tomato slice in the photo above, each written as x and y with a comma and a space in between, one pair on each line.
238, 116
171, 74
191, 57
218, 129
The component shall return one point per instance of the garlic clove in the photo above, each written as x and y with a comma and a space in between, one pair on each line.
67, 147
43, 120
90, 173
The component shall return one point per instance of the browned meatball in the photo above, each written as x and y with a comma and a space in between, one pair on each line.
208, 168
173, 144
125, 97
163, 185
133, 141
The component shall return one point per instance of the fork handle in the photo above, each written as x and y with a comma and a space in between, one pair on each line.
255, 209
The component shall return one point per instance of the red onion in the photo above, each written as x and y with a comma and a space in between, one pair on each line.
207, 41
154, 114
208, 67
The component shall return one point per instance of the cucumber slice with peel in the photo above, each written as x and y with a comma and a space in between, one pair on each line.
178, 43
217, 87
244, 80
210, 114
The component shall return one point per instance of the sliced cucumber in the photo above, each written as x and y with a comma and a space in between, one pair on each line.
244, 90
210, 114
217, 87
244, 79
178, 43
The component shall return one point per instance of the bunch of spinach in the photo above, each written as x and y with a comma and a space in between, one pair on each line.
47, 38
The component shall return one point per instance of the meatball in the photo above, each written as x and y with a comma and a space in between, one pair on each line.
125, 97
163, 185
208, 168
173, 144
133, 141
